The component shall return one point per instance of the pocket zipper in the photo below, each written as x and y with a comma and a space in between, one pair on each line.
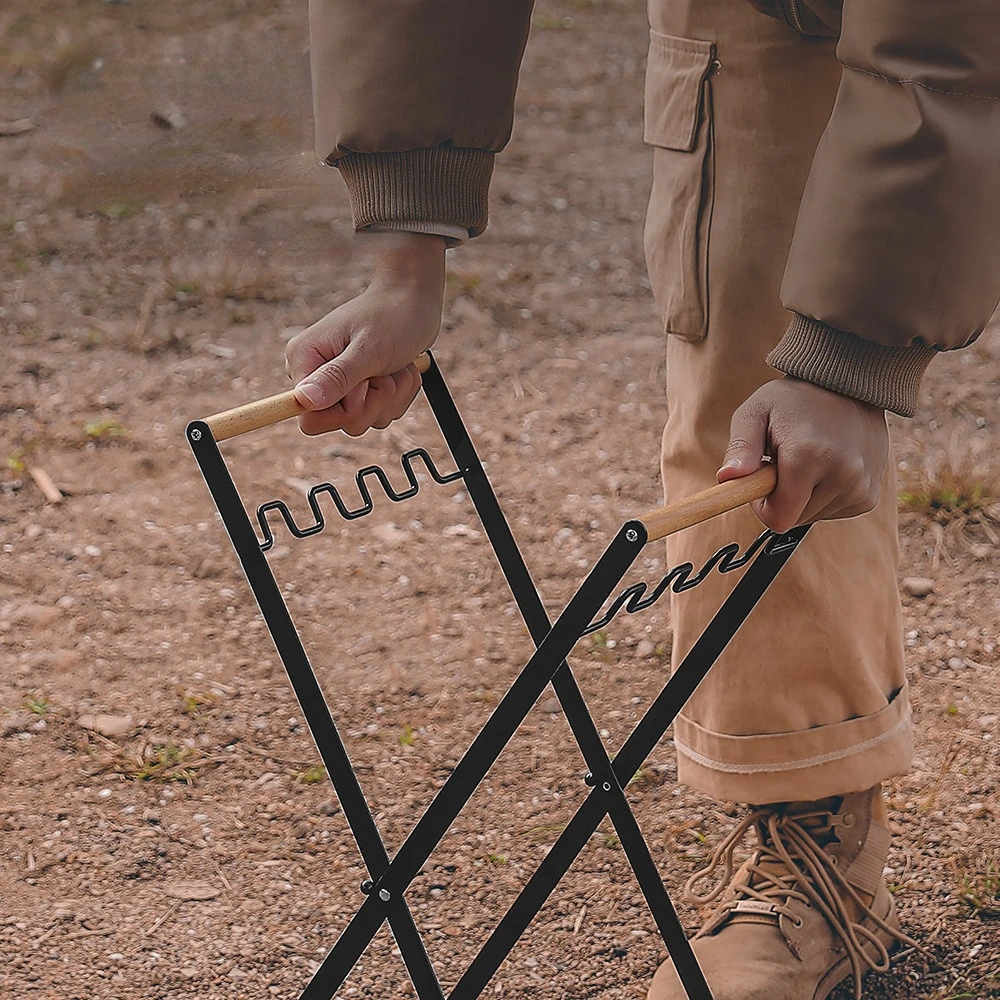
793, 14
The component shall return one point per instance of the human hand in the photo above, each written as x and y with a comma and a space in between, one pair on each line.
353, 368
830, 451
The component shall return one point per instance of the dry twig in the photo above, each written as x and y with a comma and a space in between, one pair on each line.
43, 481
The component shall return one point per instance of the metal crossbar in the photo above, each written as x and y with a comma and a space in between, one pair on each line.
389, 878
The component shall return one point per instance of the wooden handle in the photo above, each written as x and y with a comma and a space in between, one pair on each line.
271, 410
708, 503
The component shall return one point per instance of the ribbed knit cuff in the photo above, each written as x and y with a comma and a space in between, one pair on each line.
887, 377
452, 235
446, 183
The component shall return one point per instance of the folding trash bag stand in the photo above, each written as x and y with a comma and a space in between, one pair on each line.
389, 878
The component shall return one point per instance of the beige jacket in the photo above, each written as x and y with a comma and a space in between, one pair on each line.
896, 251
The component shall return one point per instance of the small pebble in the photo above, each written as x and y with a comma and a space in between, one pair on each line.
918, 586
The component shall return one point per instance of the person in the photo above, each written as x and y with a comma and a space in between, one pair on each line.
836, 159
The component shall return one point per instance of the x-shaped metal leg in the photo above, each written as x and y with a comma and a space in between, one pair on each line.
390, 878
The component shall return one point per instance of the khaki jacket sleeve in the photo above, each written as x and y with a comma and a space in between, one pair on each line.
896, 252
413, 98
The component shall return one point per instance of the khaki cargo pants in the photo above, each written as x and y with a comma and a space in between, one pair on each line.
810, 699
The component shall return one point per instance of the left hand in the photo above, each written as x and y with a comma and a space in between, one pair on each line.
353, 368
831, 452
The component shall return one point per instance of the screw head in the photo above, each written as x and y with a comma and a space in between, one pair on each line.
632, 535
384, 895
589, 779
195, 434
367, 886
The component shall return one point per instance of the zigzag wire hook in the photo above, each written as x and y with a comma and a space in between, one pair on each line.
679, 579
346, 512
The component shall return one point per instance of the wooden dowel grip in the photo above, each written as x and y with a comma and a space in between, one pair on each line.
270, 410
709, 503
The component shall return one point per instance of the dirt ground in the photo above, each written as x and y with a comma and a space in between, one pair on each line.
151, 272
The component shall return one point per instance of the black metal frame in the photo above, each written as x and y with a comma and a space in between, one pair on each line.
389, 878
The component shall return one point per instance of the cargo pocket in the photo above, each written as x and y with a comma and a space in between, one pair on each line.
678, 123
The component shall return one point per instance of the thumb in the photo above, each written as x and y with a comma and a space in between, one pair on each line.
747, 442
333, 380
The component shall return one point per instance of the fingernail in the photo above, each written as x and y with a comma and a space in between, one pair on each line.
733, 463
311, 392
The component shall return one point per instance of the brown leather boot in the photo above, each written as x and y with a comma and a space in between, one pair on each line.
807, 909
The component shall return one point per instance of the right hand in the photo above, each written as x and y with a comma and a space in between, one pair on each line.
354, 368
831, 452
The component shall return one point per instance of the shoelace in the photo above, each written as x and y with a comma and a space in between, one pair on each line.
789, 864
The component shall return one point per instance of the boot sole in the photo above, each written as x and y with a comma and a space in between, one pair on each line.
842, 969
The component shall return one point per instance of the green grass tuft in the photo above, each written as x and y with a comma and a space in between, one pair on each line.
311, 775
979, 888
38, 704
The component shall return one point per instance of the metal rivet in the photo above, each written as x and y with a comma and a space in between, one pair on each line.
632, 535
367, 886
195, 434
384, 895
588, 779
606, 786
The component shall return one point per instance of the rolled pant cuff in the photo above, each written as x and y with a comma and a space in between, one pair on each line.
798, 766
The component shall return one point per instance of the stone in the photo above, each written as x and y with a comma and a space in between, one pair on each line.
645, 649
189, 891
17, 127
169, 117
550, 705
16, 723
110, 726
391, 535
918, 586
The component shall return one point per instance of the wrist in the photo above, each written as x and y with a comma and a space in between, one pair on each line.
861, 404
414, 260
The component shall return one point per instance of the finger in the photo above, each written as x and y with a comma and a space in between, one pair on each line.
406, 384
363, 416
397, 400
747, 443
407, 397
333, 418
333, 380
314, 346
322, 421
834, 504
798, 477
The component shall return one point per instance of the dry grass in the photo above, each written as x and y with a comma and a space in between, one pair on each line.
978, 885
162, 762
955, 485
224, 276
